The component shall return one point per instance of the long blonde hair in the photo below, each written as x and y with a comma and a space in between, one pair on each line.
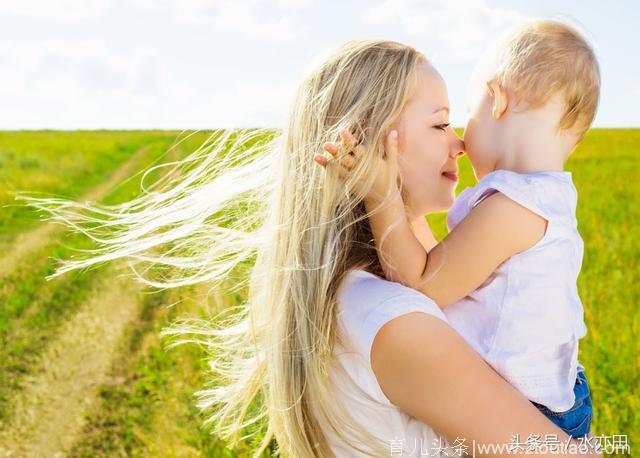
251, 208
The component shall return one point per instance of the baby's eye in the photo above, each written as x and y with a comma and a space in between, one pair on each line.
442, 126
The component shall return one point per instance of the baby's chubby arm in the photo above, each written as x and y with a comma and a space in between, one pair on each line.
423, 232
496, 229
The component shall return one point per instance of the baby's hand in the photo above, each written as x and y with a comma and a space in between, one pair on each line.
351, 154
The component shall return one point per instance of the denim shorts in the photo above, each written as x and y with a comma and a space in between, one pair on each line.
577, 420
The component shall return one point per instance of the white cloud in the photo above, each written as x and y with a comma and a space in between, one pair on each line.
241, 16
463, 26
257, 19
84, 84
56, 9
64, 84
241, 104
293, 4
67, 82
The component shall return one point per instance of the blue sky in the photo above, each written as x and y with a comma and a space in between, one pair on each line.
84, 64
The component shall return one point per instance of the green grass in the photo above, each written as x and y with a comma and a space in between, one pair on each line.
32, 307
60, 163
154, 384
607, 175
123, 426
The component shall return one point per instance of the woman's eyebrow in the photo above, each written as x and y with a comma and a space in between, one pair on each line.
442, 109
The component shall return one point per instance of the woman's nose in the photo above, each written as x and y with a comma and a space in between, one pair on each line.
456, 153
457, 147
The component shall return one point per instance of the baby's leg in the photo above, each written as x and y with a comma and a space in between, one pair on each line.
577, 420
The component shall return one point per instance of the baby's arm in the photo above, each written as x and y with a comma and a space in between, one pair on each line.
496, 229
422, 231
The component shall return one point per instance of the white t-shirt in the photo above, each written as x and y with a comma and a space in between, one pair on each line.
365, 303
527, 317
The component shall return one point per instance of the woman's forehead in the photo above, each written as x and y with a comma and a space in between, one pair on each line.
430, 94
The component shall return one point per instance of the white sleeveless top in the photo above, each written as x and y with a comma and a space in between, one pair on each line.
365, 303
526, 318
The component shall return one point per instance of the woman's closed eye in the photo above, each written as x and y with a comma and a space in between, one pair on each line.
442, 127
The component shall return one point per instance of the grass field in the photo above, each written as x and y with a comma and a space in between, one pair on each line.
82, 369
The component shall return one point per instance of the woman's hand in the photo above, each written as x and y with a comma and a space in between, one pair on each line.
349, 155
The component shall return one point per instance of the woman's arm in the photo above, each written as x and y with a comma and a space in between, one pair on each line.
426, 368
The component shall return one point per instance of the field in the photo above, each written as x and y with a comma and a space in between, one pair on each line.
82, 368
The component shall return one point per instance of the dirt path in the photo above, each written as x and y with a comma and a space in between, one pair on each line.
49, 411
41, 236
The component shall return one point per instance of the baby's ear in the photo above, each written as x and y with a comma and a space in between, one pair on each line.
500, 99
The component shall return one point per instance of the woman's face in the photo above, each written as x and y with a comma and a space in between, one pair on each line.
428, 146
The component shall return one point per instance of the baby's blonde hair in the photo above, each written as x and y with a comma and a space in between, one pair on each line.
547, 57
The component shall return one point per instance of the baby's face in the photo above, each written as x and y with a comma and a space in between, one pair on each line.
482, 132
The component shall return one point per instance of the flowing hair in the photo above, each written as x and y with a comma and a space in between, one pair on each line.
251, 208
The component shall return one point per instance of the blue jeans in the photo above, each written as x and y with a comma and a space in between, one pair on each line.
577, 420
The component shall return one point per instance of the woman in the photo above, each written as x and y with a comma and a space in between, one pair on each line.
294, 358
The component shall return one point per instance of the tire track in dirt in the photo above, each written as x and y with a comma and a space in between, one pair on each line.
36, 239
50, 409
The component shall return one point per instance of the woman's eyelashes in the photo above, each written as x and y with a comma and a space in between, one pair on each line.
442, 127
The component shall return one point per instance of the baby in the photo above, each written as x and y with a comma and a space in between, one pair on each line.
506, 274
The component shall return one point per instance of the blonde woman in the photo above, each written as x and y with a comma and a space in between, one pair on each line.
329, 357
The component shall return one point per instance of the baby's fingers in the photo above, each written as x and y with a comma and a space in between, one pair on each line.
330, 148
346, 164
348, 139
320, 159
348, 161
350, 142
343, 173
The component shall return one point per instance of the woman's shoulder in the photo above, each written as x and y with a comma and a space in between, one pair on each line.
366, 302
362, 292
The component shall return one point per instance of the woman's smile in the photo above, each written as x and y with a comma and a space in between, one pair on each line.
451, 175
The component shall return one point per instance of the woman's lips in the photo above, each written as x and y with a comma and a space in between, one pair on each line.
453, 176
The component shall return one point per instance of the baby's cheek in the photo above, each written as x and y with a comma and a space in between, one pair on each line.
469, 140
469, 129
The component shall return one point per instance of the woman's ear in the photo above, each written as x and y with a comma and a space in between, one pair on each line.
500, 99
398, 126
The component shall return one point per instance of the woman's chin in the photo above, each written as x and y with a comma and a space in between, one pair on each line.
446, 206
439, 200
448, 197
443, 204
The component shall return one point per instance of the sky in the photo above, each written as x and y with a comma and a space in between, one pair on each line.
204, 64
